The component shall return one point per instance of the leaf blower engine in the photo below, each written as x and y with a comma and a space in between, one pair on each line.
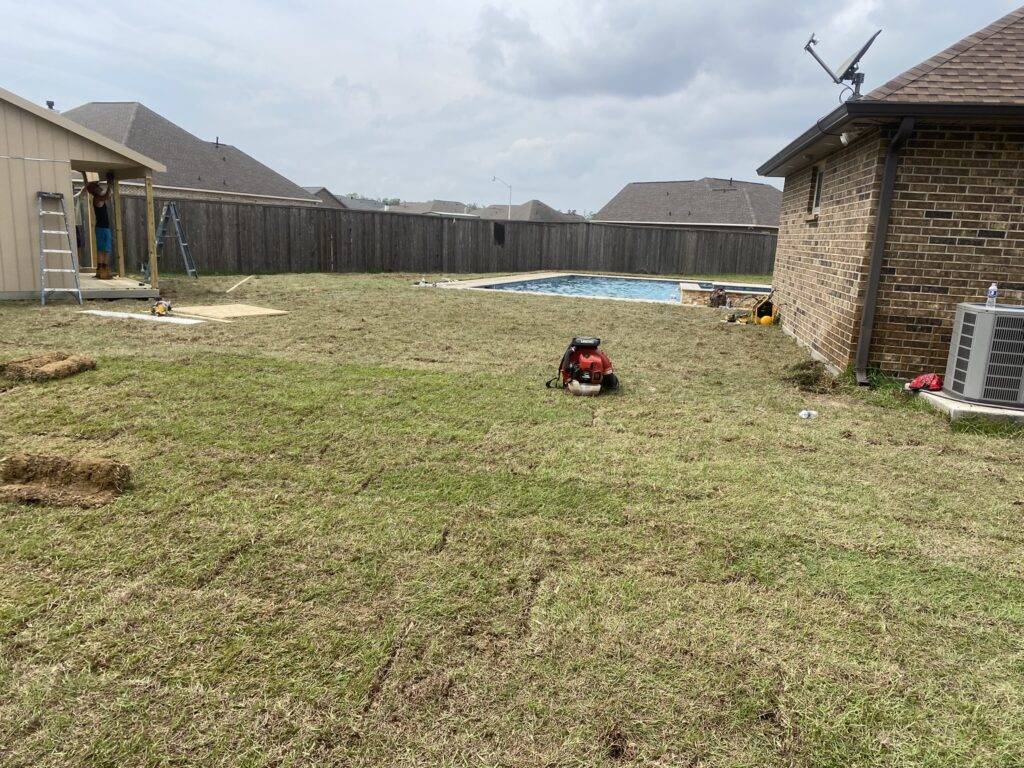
585, 369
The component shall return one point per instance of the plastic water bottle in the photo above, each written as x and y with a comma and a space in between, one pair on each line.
993, 293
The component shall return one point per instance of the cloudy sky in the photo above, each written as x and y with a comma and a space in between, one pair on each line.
566, 100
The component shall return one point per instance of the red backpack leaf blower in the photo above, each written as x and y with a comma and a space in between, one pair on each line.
585, 369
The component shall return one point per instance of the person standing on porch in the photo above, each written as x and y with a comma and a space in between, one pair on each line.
104, 236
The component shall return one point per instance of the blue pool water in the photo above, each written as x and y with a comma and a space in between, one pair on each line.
596, 286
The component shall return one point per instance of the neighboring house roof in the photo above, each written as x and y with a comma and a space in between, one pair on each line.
191, 162
328, 198
532, 210
433, 206
97, 137
363, 204
986, 67
701, 201
980, 77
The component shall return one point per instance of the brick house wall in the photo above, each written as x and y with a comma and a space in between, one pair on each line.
957, 224
821, 263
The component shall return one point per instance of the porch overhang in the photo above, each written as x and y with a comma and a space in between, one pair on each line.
855, 117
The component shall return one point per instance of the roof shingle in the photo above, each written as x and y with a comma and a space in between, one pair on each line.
700, 201
532, 210
191, 162
984, 68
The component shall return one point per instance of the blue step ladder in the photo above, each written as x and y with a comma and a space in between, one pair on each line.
171, 216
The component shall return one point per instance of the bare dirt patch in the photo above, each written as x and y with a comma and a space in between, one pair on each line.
60, 481
54, 365
811, 376
615, 743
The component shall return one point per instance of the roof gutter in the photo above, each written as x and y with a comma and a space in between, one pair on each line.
823, 127
867, 108
867, 318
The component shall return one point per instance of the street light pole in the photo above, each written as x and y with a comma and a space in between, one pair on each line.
495, 178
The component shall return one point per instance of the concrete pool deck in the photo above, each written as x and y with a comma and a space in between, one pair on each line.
484, 282
685, 284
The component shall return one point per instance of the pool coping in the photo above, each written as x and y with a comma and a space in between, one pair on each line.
485, 283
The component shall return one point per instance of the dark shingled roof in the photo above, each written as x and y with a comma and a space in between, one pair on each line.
703, 201
362, 204
986, 67
328, 198
532, 210
191, 162
432, 206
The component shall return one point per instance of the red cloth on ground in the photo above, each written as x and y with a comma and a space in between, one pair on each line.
930, 381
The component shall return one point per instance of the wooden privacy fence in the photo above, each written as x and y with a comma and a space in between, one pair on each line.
260, 239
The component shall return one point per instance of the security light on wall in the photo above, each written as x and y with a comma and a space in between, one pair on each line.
849, 70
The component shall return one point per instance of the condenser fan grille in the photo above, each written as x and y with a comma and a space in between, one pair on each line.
1004, 380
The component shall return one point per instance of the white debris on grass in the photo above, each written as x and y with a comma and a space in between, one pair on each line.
140, 316
240, 282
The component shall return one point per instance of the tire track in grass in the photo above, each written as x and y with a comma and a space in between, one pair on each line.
225, 561
368, 480
530, 599
442, 541
383, 671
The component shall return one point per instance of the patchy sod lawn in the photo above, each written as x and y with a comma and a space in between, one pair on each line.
365, 534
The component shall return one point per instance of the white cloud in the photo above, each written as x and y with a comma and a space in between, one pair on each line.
568, 101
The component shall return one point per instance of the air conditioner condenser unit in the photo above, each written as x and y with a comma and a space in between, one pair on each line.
986, 356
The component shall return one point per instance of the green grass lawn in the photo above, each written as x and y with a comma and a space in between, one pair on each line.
365, 534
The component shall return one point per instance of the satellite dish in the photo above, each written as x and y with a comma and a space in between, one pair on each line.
848, 70
849, 67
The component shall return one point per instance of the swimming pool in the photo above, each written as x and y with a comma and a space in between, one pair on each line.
613, 287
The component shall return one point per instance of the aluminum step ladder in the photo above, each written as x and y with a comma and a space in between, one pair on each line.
50, 218
171, 215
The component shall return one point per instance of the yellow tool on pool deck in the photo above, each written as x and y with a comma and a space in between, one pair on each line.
764, 312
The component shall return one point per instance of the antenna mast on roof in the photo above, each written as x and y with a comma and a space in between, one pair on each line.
849, 69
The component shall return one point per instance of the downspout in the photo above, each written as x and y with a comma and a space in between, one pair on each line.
867, 318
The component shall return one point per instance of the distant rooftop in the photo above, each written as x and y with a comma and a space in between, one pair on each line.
697, 201
532, 210
432, 206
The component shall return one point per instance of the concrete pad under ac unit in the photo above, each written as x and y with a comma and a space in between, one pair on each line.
960, 409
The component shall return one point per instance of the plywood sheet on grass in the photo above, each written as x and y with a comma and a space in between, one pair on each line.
225, 311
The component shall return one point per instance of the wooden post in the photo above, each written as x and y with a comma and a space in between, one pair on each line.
154, 277
90, 225
119, 228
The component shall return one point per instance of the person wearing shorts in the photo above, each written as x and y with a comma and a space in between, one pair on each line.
104, 236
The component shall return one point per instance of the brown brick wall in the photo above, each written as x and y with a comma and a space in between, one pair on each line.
957, 225
821, 265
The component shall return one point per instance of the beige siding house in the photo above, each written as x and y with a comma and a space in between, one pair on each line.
38, 151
